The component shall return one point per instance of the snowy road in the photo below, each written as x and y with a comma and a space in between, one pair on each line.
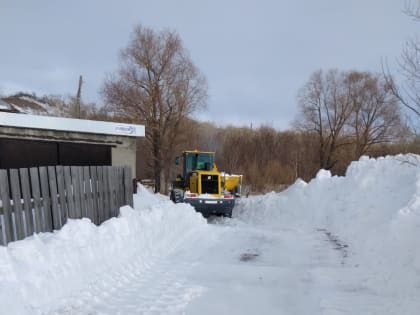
235, 268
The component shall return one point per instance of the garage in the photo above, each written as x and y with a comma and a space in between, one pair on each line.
33, 140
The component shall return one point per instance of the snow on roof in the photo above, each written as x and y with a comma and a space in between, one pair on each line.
31, 105
4, 105
31, 100
70, 124
26, 104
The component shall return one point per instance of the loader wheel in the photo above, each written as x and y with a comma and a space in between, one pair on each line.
228, 214
177, 195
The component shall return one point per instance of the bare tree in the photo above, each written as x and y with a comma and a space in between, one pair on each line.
157, 85
413, 10
234, 149
347, 108
375, 114
325, 109
408, 91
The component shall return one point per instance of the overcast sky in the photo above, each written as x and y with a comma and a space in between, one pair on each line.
255, 54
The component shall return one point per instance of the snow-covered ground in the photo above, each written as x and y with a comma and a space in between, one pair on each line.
335, 245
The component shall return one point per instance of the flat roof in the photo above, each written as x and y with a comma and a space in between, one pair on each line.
70, 124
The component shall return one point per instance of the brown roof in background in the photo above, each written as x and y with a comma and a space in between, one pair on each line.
21, 104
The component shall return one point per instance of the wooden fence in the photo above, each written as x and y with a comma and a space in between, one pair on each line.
41, 199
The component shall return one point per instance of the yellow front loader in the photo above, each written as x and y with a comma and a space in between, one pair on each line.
201, 184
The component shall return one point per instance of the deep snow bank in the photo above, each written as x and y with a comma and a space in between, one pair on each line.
374, 209
37, 272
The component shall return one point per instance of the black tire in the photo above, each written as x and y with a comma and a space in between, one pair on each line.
228, 214
177, 195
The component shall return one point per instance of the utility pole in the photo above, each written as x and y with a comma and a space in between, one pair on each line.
78, 97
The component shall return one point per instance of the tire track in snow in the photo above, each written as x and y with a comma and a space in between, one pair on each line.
344, 286
163, 290
156, 286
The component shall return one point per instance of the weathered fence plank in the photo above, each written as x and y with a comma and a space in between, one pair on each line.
46, 200
75, 180
121, 186
7, 208
27, 202
52, 180
101, 194
88, 193
82, 192
128, 185
117, 191
36, 195
118, 187
17, 203
69, 193
107, 194
94, 184
61, 195
113, 200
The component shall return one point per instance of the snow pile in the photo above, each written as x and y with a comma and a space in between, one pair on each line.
37, 272
374, 209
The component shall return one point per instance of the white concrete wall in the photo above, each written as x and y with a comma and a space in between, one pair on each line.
124, 156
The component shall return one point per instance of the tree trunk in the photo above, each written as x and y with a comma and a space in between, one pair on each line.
157, 160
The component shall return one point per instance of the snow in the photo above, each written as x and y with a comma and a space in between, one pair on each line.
375, 209
335, 245
43, 105
43, 108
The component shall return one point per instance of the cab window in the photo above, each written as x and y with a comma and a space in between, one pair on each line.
199, 161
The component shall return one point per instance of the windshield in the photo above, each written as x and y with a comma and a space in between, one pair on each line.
199, 161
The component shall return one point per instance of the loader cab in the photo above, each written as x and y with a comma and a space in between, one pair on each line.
198, 161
